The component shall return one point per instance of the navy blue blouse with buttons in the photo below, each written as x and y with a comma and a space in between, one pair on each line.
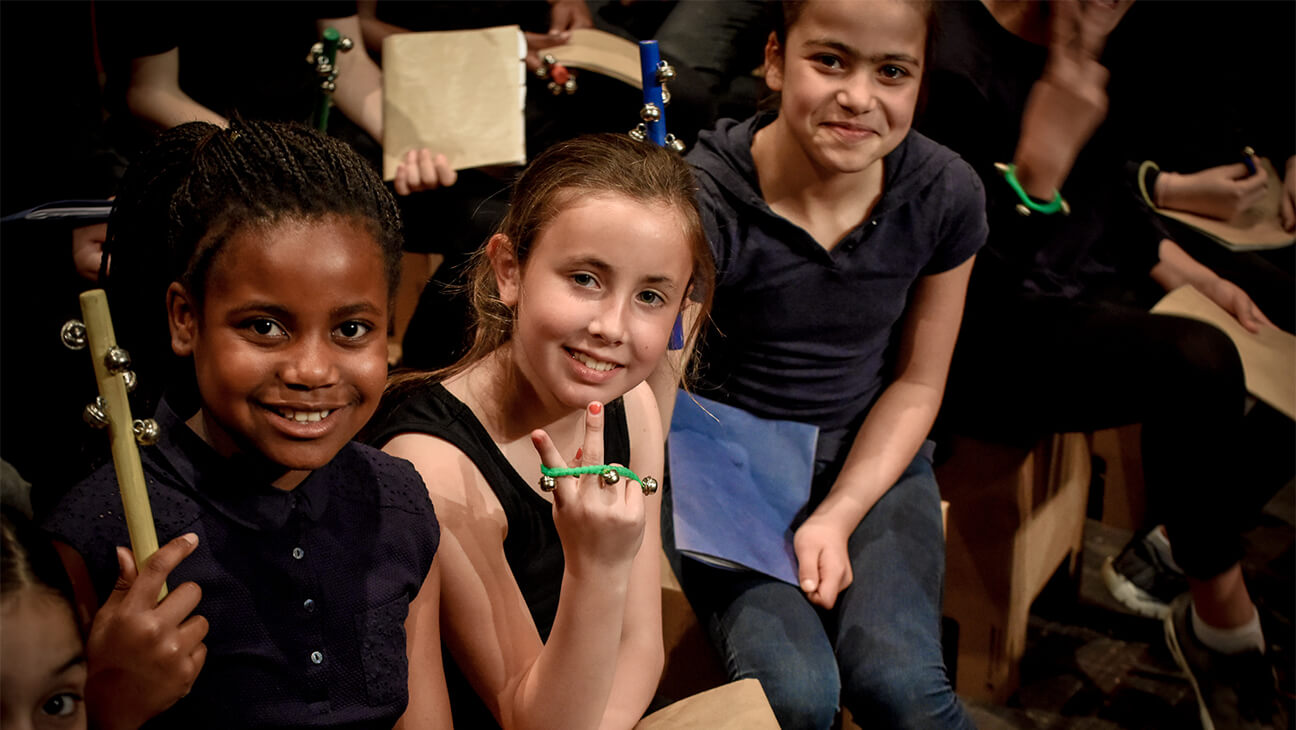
306, 591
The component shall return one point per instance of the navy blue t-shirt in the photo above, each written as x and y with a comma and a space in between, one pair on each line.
306, 591
804, 333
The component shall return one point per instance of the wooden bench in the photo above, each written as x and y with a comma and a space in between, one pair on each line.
692, 665
1019, 515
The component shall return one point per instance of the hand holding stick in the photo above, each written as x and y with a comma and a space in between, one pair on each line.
112, 410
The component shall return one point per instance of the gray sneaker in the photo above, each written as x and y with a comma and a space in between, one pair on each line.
1233, 690
1141, 581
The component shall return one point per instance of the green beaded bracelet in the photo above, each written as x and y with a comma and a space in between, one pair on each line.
1028, 203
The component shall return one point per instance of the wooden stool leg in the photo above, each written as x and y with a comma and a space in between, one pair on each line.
1019, 516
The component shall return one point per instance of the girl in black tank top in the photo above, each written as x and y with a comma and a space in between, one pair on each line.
538, 447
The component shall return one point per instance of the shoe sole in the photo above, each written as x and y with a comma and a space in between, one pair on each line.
1131, 596
1172, 642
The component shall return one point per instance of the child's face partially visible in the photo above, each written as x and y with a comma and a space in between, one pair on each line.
42, 663
849, 79
290, 345
597, 298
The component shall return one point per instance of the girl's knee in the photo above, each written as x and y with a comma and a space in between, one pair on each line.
1207, 355
903, 696
803, 700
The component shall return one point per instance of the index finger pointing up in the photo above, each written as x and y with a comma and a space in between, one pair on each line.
148, 584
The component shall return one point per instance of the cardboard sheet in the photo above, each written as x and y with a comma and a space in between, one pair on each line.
460, 93
739, 705
1268, 357
1256, 229
601, 52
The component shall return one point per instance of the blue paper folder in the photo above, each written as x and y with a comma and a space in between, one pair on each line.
737, 484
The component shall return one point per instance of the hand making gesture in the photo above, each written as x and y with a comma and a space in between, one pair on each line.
1069, 100
600, 520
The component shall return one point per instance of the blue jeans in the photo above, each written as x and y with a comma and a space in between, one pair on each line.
877, 652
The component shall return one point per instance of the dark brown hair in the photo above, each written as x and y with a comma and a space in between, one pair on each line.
28, 560
596, 164
784, 14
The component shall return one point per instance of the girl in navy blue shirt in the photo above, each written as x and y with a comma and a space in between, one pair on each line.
270, 253
843, 245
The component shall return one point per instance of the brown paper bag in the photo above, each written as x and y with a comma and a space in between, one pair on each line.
460, 93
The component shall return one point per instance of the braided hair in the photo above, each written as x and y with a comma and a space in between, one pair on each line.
195, 188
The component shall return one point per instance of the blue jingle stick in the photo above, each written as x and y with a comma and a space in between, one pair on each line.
677, 334
655, 74
1247, 154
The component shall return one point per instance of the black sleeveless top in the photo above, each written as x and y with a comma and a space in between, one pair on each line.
531, 546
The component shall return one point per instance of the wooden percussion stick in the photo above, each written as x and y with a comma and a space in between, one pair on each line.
121, 435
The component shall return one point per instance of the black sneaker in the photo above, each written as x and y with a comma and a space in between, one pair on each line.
1233, 690
1141, 581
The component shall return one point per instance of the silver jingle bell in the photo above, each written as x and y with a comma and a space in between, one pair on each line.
650, 113
639, 133
146, 431
610, 477
73, 334
346, 44
117, 360
569, 85
649, 486
96, 414
674, 144
548, 483
130, 381
665, 73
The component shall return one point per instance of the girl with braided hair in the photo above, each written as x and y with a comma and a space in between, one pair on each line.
269, 253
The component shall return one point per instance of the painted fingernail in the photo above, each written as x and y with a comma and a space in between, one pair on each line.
594, 408
578, 454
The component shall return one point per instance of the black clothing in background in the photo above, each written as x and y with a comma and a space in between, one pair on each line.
1194, 82
1056, 334
53, 146
979, 79
245, 58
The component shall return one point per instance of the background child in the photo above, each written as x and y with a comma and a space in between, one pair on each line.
1059, 338
843, 245
42, 659
553, 604
271, 253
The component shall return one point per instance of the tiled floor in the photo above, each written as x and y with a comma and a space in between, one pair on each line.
1091, 664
